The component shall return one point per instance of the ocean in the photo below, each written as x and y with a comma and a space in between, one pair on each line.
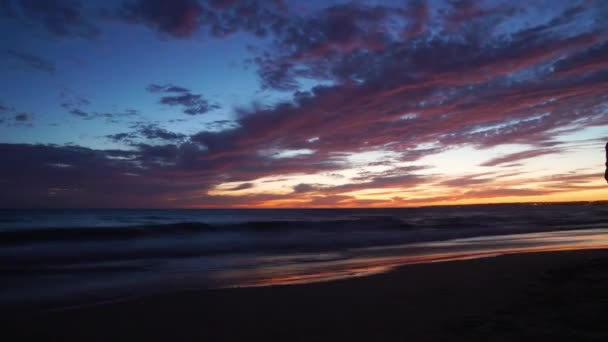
55, 259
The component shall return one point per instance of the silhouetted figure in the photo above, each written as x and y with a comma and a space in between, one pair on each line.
606, 173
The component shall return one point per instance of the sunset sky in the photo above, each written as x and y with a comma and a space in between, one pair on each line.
220, 103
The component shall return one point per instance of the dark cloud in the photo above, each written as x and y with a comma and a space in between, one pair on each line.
220, 125
588, 60
395, 178
178, 18
90, 178
121, 137
242, 186
30, 60
80, 113
183, 18
63, 18
23, 117
166, 88
192, 104
259, 17
9, 116
147, 132
77, 102
380, 182
302, 187
113, 117
152, 132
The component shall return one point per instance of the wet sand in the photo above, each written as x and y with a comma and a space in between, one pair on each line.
556, 296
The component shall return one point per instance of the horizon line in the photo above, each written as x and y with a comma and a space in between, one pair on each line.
317, 208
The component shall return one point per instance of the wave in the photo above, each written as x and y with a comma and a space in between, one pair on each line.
124, 225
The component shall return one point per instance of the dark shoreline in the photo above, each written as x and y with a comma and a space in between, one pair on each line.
548, 295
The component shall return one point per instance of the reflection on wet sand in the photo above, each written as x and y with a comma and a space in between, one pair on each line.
302, 268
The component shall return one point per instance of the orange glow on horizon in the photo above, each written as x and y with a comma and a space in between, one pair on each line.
586, 196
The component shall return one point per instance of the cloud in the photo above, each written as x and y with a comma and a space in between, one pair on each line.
120, 137
110, 117
242, 186
144, 131
220, 125
505, 192
470, 180
302, 187
310, 46
77, 102
80, 113
95, 177
32, 61
418, 13
62, 18
573, 178
177, 18
313, 48
192, 104
329, 201
166, 88
513, 157
153, 132
181, 174
457, 103
23, 117
183, 18
143, 176
259, 17
589, 60
395, 178
409, 98
463, 12
498, 179
10, 117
